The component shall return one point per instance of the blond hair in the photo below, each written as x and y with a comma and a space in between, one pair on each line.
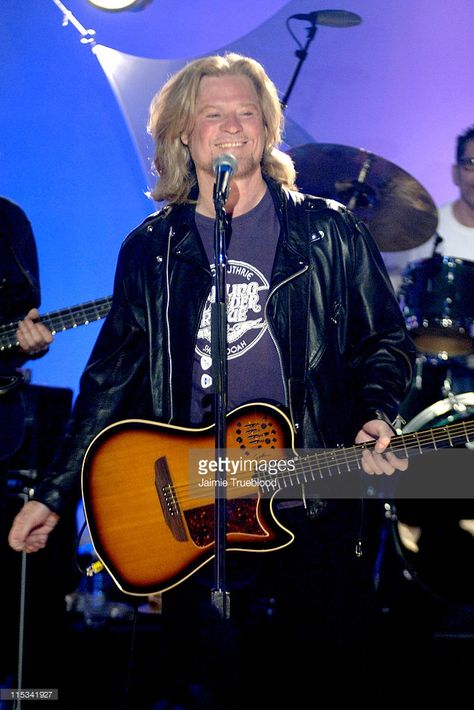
172, 113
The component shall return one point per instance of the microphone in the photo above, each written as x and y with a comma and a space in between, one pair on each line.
224, 167
330, 18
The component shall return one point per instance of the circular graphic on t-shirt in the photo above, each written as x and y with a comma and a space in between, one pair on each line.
247, 290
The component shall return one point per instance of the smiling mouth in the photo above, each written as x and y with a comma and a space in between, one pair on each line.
230, 145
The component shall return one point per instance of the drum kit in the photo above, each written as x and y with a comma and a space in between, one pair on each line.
436, 297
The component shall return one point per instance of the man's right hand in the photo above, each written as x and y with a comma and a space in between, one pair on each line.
31, 527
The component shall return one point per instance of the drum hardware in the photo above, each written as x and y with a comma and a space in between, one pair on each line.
435, 379
447, 391
436, 557
443, 412
397, 209
434, 539
441, 363
436, 297
407, 535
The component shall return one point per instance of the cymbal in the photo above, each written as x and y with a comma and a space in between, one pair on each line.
398, 211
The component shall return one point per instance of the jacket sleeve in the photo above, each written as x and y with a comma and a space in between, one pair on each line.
108, 386
19, 275
381, 353
19, 270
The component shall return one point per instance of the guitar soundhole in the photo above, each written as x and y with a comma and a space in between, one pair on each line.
256, 434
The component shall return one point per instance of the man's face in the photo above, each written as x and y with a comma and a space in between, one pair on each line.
228, 120
464, 179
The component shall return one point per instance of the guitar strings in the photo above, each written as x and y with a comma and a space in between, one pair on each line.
343, 460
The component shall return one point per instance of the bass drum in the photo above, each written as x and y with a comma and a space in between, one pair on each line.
435, 538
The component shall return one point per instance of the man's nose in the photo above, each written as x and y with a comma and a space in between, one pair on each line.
232, 123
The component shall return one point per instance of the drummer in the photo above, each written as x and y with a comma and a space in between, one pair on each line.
455, 238
456, 219
455, 232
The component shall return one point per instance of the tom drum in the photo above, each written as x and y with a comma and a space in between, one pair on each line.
436, 297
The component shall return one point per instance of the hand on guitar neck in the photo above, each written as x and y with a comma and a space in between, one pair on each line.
32, 335
31, 332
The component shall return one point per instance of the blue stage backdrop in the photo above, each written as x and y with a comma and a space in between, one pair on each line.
398, 84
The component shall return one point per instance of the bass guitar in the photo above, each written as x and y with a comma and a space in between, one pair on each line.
148, 489
58, 321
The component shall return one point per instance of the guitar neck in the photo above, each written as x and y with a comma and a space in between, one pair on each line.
446, 437
328, 464
58, 321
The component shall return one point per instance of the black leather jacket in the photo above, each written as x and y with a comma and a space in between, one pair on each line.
344, 350
19, 291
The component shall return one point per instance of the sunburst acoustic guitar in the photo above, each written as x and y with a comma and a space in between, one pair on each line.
149, 501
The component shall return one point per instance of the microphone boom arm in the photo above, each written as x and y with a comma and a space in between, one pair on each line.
302, 55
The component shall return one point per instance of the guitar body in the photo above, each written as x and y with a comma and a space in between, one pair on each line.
150, 511
150, 504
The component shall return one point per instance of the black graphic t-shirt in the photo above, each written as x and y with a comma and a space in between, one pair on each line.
254, 370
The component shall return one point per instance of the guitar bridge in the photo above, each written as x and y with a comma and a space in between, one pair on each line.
168, 501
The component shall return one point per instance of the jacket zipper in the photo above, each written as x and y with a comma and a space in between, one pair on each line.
282, 283
170, 363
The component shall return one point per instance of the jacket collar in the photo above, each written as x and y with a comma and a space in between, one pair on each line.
292, 255
293, 252
185, 240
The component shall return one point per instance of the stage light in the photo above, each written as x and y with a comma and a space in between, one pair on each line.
119, 5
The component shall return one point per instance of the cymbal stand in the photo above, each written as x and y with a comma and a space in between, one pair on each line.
359, 189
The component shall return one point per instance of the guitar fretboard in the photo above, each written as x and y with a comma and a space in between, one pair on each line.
328, 464
58, 321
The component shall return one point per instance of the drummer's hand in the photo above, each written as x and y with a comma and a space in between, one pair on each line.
374, 460
33, 337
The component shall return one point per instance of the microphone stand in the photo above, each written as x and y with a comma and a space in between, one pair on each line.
302, 55
220, 596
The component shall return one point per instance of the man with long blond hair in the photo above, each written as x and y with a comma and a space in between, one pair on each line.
172, 115
313, 327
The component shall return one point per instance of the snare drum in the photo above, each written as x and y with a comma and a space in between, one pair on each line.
436, 297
